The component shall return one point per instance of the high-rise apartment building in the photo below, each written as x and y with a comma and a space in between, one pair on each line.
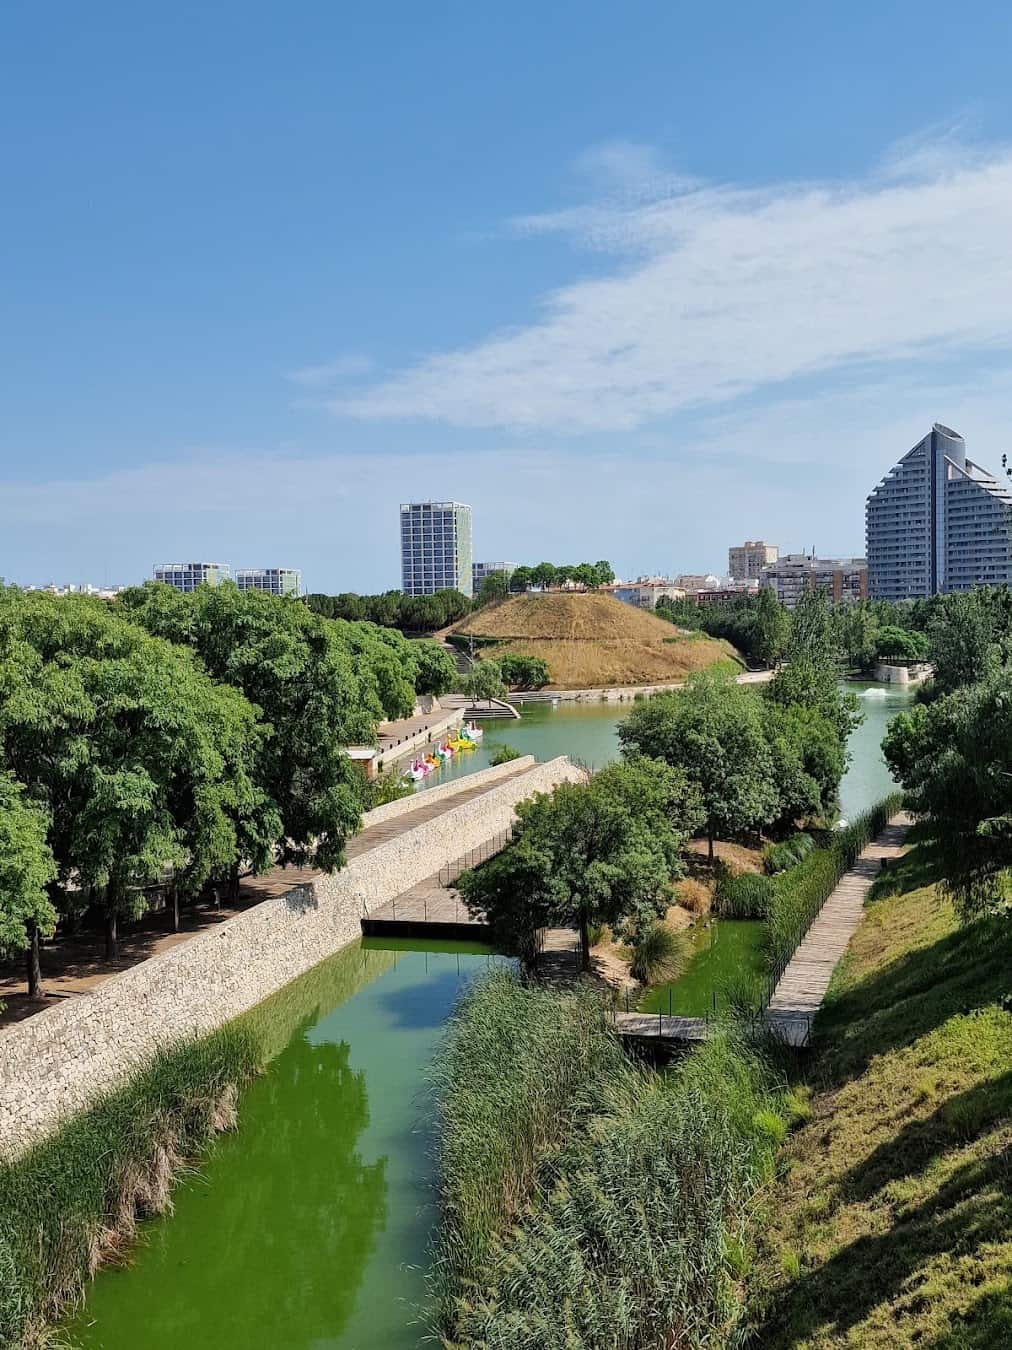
435, 547
841, 578
481, 570
188, 576
745, 562
938, 522
273, 580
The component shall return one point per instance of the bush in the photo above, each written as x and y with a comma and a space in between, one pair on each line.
504, 754
659, 955
741, 895
779, 857
524, 672
387, 787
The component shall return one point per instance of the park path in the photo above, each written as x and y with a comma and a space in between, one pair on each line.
803, 985
801, 989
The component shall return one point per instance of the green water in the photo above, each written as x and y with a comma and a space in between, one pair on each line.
307, 1228
726, 947
589, 732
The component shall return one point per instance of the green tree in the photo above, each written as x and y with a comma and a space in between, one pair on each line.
494, 587
954, 760
901, 644
27, 868
523, 672
586, 854
713, 731
771, 628
485, 682
319, 686
545, 574
962, 640
520, 579
605, 575
437, 670
137, 756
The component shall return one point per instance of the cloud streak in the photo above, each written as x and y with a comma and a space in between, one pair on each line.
720, 291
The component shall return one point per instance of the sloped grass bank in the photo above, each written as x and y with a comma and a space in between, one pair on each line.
588, 1201
894, 1220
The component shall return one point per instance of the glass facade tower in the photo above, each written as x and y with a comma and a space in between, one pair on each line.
937, 522
435, 547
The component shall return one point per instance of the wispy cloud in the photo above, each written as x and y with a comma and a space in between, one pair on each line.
351, 366
726, 290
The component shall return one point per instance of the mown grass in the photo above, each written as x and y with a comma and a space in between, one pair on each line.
894, 1219
586, 1201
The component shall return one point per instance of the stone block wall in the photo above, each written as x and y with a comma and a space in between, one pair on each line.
484, 777
65, 1058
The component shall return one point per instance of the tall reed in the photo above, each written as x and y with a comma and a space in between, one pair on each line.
73, 1201
588, 1202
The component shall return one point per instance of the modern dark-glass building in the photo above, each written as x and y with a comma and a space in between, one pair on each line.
937, 522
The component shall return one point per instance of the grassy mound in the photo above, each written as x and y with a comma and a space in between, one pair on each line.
895, 1216
591, 640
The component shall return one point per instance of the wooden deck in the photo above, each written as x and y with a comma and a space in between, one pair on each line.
803, 985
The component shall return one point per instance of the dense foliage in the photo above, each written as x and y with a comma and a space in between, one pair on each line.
546, 575
589, 853
199, 733
394, 609
523, 672
586, 1202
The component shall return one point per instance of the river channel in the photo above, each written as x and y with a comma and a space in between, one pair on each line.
308, 1228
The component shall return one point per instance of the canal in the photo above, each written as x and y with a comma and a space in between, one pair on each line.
308, 1228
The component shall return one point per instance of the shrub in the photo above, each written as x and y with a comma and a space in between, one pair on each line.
694, 896
524, 672
387, 787
779, 857
504, 754
659, 955
741, 895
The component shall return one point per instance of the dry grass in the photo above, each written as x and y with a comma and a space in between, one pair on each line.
894, 1220
695, 898
738, 856
594, 641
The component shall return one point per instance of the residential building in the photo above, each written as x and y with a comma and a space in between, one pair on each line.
644, 592
938, 522
435, 547
78, 588
188, 576
273, 580
481, 570
792, 574
746, 561
691, 582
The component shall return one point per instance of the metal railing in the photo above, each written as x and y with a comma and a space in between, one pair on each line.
474, 857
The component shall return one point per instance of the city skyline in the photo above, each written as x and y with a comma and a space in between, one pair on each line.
601, 313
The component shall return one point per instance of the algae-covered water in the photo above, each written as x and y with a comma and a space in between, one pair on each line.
308, 1228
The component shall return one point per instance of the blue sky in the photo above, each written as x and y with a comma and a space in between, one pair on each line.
635, 280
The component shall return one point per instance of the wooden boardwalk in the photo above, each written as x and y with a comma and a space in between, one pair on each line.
803, 985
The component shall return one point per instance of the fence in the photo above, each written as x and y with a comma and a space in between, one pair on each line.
474, 857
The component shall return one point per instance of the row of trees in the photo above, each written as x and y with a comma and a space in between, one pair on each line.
952, 752
394, 609
182, 736
717, 756
861, 633
499, 585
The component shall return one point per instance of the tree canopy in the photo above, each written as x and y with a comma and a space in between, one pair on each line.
713, 732
589, 853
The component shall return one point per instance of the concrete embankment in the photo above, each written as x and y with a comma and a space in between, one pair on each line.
64, 1059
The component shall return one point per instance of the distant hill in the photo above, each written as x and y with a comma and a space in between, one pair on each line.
592, 640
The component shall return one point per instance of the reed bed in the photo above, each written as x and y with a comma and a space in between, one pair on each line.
74, 1200
587, 1201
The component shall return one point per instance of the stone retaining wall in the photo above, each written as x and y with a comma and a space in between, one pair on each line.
391, 810
63, 1059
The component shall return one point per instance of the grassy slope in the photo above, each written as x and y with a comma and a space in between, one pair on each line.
895, 1218
591, 640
